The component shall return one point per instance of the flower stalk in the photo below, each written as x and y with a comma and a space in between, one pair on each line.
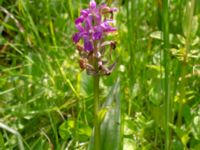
96, 79
94, 24
167, 99
96, 112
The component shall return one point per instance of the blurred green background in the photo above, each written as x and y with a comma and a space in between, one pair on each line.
46, 100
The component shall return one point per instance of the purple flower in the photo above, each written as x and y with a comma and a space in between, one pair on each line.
93, 25
113, 9
76, 37
79, 20
88, 46
106, 27
97, 35
85, 12
80, 28
92, 4
88, 23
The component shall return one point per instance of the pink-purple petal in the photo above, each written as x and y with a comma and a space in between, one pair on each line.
79, 27
92, 4
88, 46
113, 9
106, 27
88, 23
97, 35
79, 20
76, 38
85, 12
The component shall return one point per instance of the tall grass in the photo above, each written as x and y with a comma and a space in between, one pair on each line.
166, 62
151, 100
188, 20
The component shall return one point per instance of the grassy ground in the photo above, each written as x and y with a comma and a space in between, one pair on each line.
46, 101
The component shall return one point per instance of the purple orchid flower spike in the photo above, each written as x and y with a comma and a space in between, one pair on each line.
93, 25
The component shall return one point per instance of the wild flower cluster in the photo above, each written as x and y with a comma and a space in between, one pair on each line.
93, 25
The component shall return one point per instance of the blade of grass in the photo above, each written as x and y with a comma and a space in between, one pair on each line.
130, 45
70, 10
166, 61
2, 144
16, 133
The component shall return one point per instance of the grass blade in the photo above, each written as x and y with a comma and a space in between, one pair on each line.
166, 62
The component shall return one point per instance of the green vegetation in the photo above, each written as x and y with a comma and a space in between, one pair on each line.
150, 101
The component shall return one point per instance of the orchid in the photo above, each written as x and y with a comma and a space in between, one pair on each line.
93, 25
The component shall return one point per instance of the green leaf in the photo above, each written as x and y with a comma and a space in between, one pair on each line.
156, 35
182, 133
157, 113
129, 127
65, 129
159, 36
177, 145
84, 132
187, 114
195, 25
129, 144
2, 144
102, 113
110, 126
190, 22
197, 147
196, 127
156, 68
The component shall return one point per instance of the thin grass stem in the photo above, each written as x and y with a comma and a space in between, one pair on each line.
167, 99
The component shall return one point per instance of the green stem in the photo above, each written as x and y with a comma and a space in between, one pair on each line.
166, 66
97, 139
96, 111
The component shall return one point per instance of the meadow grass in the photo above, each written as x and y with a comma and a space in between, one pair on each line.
150, 101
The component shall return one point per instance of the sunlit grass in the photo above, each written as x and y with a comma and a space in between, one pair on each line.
46, 100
